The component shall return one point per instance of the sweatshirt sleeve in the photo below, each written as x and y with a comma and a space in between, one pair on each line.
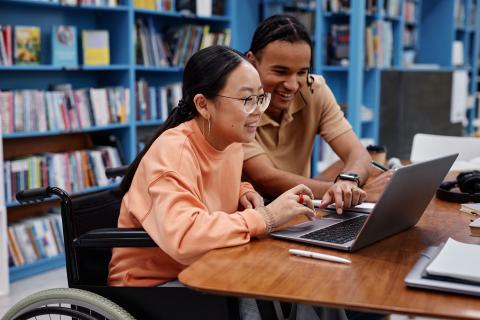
184, 228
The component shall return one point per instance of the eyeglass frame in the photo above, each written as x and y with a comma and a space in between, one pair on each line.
265, 95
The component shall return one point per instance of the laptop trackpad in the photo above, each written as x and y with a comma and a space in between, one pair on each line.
340, 217
316, 224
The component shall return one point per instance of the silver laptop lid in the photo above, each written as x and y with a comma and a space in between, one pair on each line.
404, 199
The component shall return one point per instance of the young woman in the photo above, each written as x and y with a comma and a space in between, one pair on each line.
184, 188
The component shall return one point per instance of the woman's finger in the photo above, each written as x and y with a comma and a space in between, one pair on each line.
245, 202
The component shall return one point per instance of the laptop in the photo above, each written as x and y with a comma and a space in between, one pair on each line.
400, 207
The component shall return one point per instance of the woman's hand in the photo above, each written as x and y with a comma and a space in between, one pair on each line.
287, 205
345, 194
251, 200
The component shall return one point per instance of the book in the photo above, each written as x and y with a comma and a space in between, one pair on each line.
64, 46
27, 45
96, 47
471, 208
475, 227
204, 8
456, 261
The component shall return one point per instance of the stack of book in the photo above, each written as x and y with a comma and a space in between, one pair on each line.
338, 44
336, 6
6, 49
72, 171
475, 228
451, 267
175, 45
379, 44
155, 103
472, 210
108, 3
36, 238
63, 109
409, 8
392, 8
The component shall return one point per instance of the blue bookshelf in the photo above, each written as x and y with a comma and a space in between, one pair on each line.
37, 267
458, 22
415, 26
123, 71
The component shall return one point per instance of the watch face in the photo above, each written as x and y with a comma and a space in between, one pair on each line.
349, 176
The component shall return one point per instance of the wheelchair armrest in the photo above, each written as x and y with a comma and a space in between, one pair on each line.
116, 172
114, 238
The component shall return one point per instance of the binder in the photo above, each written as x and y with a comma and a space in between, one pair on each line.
415, 278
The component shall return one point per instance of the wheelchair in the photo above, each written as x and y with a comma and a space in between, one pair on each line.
90, 232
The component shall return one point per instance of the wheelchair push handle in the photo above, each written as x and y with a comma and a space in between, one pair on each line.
40, 194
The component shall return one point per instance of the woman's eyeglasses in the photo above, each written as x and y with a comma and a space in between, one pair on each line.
250, 103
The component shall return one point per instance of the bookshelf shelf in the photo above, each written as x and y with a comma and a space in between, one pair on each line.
180, 15
147, 123
88, 190
158, 69
335, 68
40, 4
30, 269
42, 68
392, 18
30, 134
112, 67
336, 14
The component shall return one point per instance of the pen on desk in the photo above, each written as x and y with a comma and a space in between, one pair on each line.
320, 256
378, 165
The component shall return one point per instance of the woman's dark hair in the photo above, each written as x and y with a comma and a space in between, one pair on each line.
206, 72
280, 27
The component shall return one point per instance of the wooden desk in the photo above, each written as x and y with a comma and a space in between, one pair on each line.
373, 282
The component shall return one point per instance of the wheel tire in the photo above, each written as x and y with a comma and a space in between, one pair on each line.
88, 301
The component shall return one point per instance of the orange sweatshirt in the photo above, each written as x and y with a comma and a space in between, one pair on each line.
185, 194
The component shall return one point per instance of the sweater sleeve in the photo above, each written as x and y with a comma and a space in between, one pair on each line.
183, 227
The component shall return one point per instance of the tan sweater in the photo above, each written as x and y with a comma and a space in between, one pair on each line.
185, 194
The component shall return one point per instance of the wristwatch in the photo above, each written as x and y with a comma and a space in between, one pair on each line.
350, 176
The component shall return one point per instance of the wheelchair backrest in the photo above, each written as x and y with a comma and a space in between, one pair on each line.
89, 212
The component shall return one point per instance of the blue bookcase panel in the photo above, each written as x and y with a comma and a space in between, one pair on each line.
32, 79
37, 267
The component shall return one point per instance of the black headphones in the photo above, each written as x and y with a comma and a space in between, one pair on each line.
469, 185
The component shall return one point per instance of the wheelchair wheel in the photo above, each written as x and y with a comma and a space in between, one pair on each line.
66, 303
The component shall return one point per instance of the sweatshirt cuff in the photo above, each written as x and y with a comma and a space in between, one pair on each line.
255, 222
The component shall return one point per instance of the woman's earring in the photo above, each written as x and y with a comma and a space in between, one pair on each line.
209, 127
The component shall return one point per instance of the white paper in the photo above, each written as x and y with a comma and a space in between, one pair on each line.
459, 96
204, 8
457, 260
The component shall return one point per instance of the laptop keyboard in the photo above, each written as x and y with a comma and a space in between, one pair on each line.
341, 232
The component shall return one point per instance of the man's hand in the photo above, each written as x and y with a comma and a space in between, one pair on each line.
251, 200
376, 184
345, 194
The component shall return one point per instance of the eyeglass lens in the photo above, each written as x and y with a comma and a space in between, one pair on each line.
253, 101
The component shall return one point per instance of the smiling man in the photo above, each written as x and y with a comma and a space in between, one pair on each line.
302, 106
